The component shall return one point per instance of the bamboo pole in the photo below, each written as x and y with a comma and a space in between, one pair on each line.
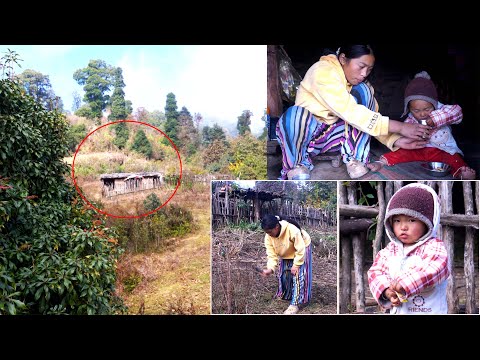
381, 217
388, 191
397, 185
361, 211
445, 192
358, 244
477, 195
357, 210
345, 281
469, 265
348, 226
358, 256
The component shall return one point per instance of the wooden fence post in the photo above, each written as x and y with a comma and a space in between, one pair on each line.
358, 256
445, 191
469, 266
345, 281
274, 96
381, 217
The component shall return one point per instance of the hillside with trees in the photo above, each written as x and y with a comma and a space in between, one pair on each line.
59, 256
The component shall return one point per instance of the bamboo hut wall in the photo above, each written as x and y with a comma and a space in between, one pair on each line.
122, 186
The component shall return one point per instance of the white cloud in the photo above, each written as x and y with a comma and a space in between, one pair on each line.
143, 81
224, 80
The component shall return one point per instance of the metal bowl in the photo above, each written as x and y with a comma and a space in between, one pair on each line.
437, 169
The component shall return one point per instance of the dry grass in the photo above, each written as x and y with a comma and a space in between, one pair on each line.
96, 163
177, 281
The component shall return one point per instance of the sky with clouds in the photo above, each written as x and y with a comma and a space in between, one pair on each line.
217, 81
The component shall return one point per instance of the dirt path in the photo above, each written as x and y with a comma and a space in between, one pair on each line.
178, 281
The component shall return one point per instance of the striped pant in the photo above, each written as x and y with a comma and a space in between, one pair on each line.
297, 289
301, 135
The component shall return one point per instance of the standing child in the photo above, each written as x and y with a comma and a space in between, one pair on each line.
409, 276
421, 101
285, 240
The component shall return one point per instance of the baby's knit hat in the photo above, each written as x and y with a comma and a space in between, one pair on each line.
421, 88
412, 201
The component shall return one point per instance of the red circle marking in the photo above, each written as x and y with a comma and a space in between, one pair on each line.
132, 216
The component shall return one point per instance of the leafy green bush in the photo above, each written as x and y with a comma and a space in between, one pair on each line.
56, 255
151, 202
75, 135
156, 231
246, 225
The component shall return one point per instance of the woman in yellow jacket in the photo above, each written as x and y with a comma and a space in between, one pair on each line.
285, 240
335, 110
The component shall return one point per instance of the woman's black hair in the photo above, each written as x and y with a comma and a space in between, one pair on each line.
270, 221
354, 51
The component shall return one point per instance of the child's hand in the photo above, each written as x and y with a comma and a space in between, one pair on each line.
430, 123
391, 295
294, 270
399, 290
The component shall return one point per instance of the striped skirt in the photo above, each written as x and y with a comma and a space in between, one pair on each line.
301, 135
297, 289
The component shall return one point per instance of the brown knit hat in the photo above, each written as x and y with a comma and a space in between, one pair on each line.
421, 88
411, 201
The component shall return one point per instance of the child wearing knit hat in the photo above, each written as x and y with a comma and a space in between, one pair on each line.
409, 276
422, 106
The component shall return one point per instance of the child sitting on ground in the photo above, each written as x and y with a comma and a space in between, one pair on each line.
421, 100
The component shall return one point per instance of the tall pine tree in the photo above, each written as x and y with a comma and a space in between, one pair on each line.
171, 122
118, 105
244, 121
188, 133
142, 145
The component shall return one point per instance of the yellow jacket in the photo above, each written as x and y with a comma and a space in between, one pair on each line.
325, 92
289, 244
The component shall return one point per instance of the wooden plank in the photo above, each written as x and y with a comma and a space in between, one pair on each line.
445, 192
274, 95
345, 281
468, 258
348, 226
358, 255
358, 245
381, 217
361, 211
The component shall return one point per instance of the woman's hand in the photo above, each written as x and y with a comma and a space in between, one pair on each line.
415, 131
267, 272
294, 270
407, 143
412, 131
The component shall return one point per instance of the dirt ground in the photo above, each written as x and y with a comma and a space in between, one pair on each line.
236, 254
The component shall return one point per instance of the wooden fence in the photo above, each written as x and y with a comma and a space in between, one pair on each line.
234, 210
355, 219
